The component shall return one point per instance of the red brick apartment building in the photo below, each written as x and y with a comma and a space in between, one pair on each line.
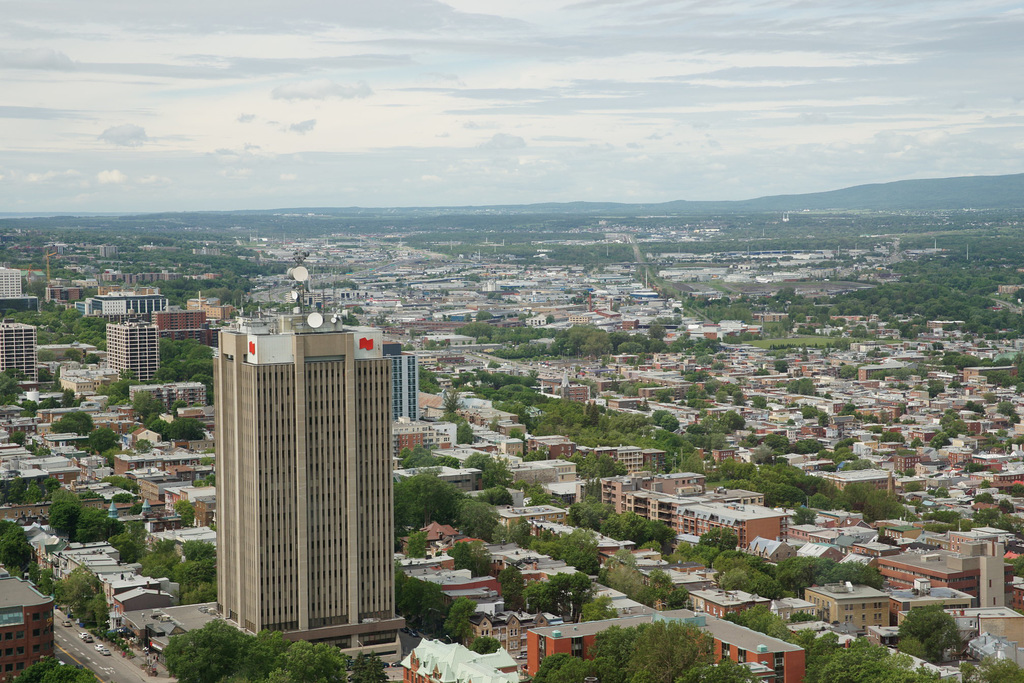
559, 447
747, 521
26, 626
978, 570
616, 491
785, 660
185, 325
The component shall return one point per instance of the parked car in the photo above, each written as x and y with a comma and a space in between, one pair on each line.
100, 647
66, 622
85, 637
105, 652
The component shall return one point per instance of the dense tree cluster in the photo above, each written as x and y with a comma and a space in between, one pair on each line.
220, 653
50, 670
660, 652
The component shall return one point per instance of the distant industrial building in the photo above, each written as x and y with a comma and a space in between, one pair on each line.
61, 293
123, 305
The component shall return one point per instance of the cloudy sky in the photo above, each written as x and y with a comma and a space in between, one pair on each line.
109, 105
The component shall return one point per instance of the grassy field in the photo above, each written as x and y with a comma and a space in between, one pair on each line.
792, 341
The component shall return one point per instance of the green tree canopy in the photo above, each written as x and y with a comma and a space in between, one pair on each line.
457, 625
75, 422
933, 628
471, 555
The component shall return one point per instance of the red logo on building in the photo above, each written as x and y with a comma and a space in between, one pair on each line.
366, 343
252, 348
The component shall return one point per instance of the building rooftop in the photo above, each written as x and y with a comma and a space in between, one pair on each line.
728, 511
728, 598
850, 476
458, 664
847, 591
15, 592
721, 629
935, 592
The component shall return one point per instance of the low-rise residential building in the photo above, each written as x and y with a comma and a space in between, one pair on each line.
880, 479
510, 516
787, 607
718, 603
902, 600
409, 434
464, 478
771, 550
87, 380
435, 662
747, 521
191, 393
998, 621
784, 661
543, 471
978, 570
509, 628
846, 603
129, 462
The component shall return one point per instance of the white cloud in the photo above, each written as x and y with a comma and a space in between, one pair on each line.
320, 90
289, 176
590, 99
303, 127
36, 58
504, 141
236, 172
125, 135
47, 176
112, 177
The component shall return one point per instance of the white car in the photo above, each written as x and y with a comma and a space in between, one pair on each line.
85, 637
105, 652
100, 647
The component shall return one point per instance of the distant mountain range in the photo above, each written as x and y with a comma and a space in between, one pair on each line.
938, 194
966, 192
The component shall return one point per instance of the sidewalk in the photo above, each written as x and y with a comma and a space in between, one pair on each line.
149, 660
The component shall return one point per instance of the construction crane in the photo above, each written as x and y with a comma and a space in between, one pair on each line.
48, 254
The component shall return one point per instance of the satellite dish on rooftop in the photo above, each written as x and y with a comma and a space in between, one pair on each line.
299, 273
295, 295
314, 320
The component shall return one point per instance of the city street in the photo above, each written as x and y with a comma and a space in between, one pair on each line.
71, 650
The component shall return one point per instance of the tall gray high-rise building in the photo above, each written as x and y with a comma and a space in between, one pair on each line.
134, 346
405, 382
18, 349
305, 522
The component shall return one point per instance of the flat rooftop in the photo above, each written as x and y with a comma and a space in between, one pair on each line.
729, 511
846, 591
15, 592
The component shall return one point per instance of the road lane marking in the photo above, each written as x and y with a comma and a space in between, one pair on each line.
78, 662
